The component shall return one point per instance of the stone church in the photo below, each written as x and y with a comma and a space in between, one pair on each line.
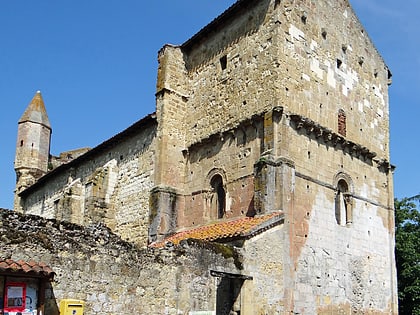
270, 137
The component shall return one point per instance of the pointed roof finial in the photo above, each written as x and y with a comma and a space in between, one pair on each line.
36, 112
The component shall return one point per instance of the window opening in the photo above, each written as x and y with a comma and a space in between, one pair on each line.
304, 17
217, 185
228, 296
223, 62
343, 204
342, 129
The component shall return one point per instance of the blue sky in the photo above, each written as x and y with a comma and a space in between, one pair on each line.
95, 62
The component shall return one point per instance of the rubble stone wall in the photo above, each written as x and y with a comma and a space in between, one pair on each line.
113, 276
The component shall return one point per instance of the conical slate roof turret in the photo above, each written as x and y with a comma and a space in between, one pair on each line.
36, 112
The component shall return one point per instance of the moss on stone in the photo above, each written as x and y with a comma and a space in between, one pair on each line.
227, 251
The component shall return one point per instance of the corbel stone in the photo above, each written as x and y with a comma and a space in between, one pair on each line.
383, 165
329, 137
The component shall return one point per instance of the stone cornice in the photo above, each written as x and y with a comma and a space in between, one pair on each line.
310, 128
268, 159
321, 133
230, 130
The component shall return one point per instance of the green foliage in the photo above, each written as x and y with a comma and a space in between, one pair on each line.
407, 253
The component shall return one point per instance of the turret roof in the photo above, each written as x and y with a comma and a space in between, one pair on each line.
36, 112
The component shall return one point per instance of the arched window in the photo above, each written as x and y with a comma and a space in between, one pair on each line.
219, 200
343, 204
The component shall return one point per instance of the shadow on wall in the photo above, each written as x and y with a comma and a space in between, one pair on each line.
51, 306
228, 296
238, 137
251, 212
241, 21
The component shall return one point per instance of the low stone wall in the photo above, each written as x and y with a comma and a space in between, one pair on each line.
112, 276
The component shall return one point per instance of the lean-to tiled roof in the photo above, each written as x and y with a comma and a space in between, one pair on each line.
23, 268
226, 230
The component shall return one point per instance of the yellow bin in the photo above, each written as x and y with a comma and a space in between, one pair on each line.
71, 307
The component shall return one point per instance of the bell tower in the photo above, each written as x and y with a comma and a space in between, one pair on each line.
32, 146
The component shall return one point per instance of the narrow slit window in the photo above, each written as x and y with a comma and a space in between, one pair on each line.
223, 62
342, 128
220, 196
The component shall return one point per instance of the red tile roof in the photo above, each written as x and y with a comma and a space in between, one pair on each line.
30, 268
242, 227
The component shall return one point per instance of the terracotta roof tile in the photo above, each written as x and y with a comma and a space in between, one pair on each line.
242, 227
26, 268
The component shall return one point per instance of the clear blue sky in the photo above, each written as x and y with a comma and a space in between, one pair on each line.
95, 62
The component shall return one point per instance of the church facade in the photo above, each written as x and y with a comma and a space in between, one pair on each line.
271, 135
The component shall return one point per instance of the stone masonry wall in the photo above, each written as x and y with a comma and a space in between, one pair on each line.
231, 155
112, 276
313, 58
31, 160
32, 152
338, 268
111, 187
263, 260
221, 96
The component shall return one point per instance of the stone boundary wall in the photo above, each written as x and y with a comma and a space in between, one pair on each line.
112, 276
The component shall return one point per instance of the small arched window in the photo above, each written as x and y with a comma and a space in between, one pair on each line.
343, 204
219, 202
